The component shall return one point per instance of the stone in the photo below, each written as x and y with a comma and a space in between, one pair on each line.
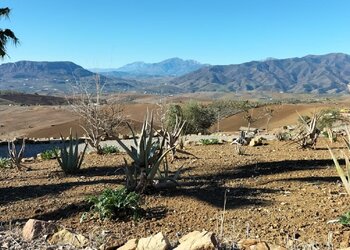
247, 243
274, 247
346, 240
198, 241
256, 141
37, 228
30, 159
130, 245
158, 241
262, 246
66, 237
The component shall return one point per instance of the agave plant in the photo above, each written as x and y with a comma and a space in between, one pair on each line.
16, 156
68, 156
347, 141
172, 138
147, 155
344, 176
308, 132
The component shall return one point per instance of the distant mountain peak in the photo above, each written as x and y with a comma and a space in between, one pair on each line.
170, 67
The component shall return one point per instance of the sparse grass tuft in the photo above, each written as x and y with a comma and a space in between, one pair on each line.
109, 149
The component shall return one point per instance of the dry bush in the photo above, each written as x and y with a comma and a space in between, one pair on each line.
100, 119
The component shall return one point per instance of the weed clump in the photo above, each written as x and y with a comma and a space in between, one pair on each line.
118, 203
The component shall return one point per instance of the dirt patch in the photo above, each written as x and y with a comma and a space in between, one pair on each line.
274, 192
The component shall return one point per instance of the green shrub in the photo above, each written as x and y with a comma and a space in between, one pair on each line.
109, 149
344, 219
199, 118
5, 162
49, 154
212, 141
118, 203
69, 157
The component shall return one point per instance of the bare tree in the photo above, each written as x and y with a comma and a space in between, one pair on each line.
100, 119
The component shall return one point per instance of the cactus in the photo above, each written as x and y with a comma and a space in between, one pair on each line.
68, 156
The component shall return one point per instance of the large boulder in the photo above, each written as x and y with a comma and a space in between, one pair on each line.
198, 241
36, 228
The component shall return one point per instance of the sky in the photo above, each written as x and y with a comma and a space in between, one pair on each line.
112, 33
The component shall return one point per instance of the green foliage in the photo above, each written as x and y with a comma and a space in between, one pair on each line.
118, 203
5, 162
49, 154
6, 35
344, 219
327, 118
147, 156
211, 141
173, 113
109, 149
198, 117
68, 156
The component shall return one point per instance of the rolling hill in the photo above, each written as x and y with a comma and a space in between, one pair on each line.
54, 78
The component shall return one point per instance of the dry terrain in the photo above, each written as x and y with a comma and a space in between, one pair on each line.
274, 192
50, 121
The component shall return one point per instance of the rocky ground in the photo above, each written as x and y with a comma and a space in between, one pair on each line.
274, 192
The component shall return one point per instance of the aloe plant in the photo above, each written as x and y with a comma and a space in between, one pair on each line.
68, 156
147, 155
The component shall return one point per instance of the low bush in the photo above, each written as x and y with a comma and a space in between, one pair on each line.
49, 154
5, 162
345, 219
118, 203
212, 141
109, 149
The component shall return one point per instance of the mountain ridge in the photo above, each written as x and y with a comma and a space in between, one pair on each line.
319, 74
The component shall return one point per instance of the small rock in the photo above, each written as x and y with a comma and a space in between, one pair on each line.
158, 241
247, 243
130, 245
30, 159
36, 228
198, 241
66, 237
256, 141
346, 240
274, 247
262, 246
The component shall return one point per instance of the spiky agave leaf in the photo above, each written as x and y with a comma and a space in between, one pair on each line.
341, 171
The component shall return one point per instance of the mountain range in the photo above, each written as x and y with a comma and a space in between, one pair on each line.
318, 74
170, 67
310, 74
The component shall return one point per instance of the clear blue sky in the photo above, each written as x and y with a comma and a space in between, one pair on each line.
111, 33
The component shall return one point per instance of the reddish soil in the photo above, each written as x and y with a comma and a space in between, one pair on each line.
274, 191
